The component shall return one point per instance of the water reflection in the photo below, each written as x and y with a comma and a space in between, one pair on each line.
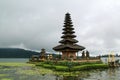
108, 74
34, 73
73, 76
68, 78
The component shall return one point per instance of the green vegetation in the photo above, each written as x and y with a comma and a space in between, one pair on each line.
3, 75
89, 67
15, 64
16, 71
6, 79
72, 66
61, 68
25, 71
47, 66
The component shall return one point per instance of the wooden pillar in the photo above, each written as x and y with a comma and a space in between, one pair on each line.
59, 55
77, 55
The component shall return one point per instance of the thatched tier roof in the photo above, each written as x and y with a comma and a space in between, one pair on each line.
68, 35
67, 24
68, 40
71, 32
68, 28
69, 47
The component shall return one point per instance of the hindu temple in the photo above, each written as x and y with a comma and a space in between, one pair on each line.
68, 44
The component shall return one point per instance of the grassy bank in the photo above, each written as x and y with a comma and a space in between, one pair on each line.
72, 66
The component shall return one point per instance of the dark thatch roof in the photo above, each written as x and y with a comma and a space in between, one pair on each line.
67, 32
68, 40
74, 47
68, 35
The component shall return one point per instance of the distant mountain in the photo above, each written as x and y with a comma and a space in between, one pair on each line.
16, 53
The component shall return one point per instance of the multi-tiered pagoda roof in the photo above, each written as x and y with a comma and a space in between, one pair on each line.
68, 42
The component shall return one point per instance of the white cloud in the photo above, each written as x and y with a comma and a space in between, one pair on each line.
38, 23
117, 41
22, 46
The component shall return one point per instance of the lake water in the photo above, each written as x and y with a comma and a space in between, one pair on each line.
24, 60
17, 69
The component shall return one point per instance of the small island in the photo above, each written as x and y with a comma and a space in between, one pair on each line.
68, 59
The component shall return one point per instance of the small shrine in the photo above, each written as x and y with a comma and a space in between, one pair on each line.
85, 55
42, 54
68, 45
39, 57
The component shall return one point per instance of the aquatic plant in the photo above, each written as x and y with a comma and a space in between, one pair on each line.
15, 64
3, 75
6, 79
25, 71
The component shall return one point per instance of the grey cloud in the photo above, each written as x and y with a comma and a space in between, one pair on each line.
37, 24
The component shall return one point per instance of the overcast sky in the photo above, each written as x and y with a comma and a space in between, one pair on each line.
36, 24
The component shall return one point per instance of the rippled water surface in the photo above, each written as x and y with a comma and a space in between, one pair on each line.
24, 71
